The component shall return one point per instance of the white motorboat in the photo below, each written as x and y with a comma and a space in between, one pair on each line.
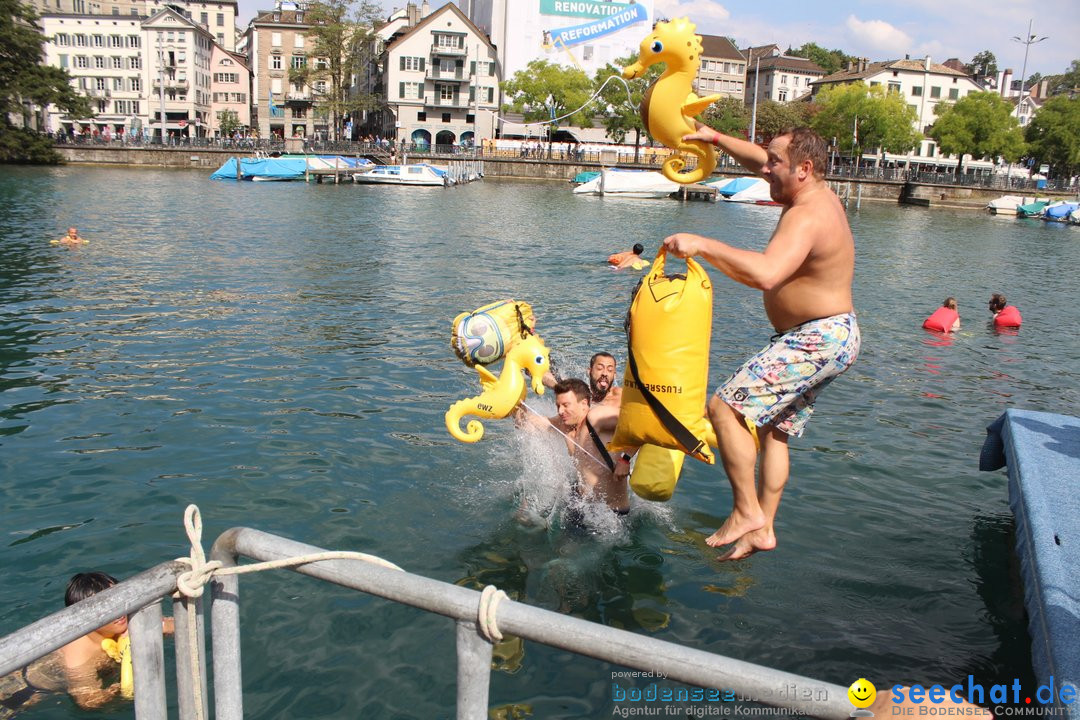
416, 174
1005, 205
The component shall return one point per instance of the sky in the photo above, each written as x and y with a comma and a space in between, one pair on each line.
877, 29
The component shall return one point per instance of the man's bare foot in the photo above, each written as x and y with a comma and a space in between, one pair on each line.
735, 527
761, 540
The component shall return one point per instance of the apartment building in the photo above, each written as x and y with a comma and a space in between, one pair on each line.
178, 56
771, 75
723, 68
217, 16
105, 57
277, 42
230, 89
441, 82
923, 85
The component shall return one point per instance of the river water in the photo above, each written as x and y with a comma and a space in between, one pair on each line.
279, 354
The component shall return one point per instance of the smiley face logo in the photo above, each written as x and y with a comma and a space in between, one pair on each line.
862, 693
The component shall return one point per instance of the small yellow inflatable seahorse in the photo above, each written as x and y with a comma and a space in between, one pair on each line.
503, 393
120, 651
670, 104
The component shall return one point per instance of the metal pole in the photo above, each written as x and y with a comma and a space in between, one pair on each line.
185, 688
148, 657
753, 115
225, 633
161, 85
474, 672
38, 639
1028, 41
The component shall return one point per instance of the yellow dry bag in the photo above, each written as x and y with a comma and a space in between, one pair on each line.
665, 385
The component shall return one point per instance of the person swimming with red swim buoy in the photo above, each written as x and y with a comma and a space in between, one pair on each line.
629, 259
945, 319
1005, 315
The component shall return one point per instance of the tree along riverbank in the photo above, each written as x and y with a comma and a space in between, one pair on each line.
871, 189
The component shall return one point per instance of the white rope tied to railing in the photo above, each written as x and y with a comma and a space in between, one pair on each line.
490, 597
192, 583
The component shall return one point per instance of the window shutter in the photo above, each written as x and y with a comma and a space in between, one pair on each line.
402, 59
401, 90
459, 64
472, 68
491, 95
472, 94
421, 64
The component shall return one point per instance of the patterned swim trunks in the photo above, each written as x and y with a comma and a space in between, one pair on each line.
778, 386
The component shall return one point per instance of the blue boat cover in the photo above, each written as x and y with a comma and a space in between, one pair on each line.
280, 168
1042, 452
1060, 211
737, 185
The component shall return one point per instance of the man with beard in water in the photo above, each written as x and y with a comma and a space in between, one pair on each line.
603, 390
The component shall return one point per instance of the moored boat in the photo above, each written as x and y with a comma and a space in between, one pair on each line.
628, 183
1005, 205
414, 174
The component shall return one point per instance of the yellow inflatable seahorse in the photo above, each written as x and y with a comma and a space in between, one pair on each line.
670, 104
120, 651
503, 393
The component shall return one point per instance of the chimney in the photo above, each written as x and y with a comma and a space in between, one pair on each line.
927, 63
1044, 88
1006, 82
412, 13
850, 65
425, 10
863, 62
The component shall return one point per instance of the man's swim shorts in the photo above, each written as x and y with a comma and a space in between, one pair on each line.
778, 386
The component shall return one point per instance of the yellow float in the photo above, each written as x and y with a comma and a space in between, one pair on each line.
503, 393
665, 384
120, 651
670, 103
485, 335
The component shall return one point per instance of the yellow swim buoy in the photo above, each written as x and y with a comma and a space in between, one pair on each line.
503, 393
120, 651
665, 385
485, 335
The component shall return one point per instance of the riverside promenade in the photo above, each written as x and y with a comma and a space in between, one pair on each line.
856, 185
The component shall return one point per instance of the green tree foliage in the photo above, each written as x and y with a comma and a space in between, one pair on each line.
1053, 135
775, 117
830, 60
544, 91
1068, 81
621, 114
26, 83
884, 119
983, 64
341, 39
728, 115
980, 124
228, 122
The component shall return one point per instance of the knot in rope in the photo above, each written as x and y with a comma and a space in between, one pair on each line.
192, 582
490, 598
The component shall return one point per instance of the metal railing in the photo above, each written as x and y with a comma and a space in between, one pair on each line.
141, 594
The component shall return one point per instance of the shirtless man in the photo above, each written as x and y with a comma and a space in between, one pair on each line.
602, 385
72, 238
805, 276
587, 429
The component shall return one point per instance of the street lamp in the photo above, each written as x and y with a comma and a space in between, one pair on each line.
1028, 40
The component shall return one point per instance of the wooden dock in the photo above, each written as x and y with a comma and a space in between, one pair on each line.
696, 191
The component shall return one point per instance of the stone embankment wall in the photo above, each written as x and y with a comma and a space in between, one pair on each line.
852, 191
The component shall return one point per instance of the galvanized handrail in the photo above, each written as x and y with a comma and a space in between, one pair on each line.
140, 595
695, 667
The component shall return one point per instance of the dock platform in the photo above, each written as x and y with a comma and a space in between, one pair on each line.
1042, 454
